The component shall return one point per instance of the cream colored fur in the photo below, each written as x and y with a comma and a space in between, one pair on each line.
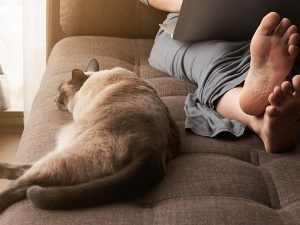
117, 118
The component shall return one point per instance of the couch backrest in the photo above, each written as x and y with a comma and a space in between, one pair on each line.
118, 18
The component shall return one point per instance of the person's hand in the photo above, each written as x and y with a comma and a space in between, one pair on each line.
166, 5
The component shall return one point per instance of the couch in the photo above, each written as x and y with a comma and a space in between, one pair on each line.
220, 181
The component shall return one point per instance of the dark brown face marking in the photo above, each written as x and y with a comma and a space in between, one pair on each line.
63, 96
67, 89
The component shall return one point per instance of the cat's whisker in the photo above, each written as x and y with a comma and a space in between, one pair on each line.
56, 98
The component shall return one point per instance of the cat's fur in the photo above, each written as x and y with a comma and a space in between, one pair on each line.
117, 146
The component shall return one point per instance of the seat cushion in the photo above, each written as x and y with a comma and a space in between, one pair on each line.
212, 181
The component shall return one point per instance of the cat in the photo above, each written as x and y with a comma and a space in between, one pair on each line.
117, 146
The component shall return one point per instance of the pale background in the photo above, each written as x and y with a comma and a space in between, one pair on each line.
23, 48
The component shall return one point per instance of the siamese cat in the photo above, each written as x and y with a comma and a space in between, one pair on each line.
117, 146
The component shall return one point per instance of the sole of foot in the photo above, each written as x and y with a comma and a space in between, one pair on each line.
273, 52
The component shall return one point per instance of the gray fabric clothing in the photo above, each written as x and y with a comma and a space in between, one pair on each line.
215, 66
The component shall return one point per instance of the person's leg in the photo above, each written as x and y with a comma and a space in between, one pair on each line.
273, 52
215, 66
228, 107
276, 127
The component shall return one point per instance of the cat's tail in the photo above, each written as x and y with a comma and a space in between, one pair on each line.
137, 177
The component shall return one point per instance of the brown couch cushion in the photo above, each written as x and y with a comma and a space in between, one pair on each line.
213, 181
118, 18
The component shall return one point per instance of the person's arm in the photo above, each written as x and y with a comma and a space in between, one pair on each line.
166, 5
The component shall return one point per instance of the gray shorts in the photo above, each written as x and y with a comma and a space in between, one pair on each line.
215, 66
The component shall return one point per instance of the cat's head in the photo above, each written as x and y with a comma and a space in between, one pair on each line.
67, 89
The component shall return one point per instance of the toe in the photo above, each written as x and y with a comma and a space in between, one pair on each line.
291, 30
276, 97
272, 111
282, 27
294, 39
293, 51
286, 87
269, 23
296, 84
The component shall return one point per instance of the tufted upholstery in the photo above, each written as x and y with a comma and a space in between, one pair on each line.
218, 181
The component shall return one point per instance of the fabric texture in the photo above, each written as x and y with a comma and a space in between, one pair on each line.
214, 66
117, 18
106, 18
212, 181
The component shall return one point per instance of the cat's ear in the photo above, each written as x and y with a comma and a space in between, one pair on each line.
78, 77
93, 66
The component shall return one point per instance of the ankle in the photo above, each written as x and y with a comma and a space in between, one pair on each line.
255, 124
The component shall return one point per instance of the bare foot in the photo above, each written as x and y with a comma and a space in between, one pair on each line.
277, 127
273, 52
